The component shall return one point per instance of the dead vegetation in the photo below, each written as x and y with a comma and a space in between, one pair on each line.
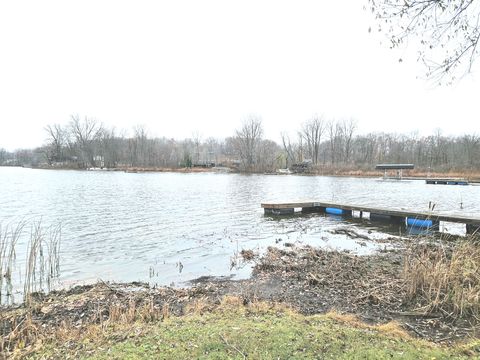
247, 255
445, 279
74, 310
331, 279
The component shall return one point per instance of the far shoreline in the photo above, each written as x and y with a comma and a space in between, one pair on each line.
472, 176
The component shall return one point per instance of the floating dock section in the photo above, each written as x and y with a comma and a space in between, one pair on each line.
447, 181
411, 218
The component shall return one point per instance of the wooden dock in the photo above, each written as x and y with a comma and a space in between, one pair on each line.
375, 213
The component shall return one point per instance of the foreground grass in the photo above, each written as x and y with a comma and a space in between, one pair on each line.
258, 331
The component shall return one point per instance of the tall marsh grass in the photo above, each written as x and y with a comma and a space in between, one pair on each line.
445, 279
41, 251
8, 242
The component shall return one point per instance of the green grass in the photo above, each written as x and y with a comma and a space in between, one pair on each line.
238, 332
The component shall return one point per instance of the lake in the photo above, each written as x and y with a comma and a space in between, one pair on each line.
168, 228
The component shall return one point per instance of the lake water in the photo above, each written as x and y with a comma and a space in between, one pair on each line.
140, 226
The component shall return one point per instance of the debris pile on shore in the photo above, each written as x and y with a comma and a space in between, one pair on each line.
316, 280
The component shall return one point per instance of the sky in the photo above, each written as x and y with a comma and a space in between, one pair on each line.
188, 66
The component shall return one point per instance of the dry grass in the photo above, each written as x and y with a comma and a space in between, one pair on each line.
391, 328
348, 319
24, 333
198, 306
230, 300
444, 279
148, 311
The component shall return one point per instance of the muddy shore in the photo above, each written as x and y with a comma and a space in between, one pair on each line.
308, 279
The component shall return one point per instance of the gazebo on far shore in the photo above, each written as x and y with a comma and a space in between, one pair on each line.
398, 167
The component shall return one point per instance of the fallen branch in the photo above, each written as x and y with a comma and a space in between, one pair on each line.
350, 233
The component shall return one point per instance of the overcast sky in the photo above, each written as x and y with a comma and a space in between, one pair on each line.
180, 67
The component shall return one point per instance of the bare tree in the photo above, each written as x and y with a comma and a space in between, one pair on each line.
470, 150
3, 155
213, 150
269, 155
85, 133
334, 139
56, 141
197, 141
347, 128
447, 31
110, 145
187, 153
138, 146
289, 149
247, 140
312, 132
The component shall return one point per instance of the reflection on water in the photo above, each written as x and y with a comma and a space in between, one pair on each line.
124, 227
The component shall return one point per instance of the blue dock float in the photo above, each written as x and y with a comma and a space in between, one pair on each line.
336, 211
421, 223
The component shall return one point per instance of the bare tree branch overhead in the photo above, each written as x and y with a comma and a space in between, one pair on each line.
446, 32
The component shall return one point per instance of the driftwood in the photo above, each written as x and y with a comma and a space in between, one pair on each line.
350, 233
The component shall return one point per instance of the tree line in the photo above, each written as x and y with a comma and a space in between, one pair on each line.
320, 144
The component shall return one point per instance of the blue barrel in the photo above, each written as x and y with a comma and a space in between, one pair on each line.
419, 223
334, 211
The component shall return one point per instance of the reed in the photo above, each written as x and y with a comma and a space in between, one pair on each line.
445, 278
43, 260
8, 241
42, 263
